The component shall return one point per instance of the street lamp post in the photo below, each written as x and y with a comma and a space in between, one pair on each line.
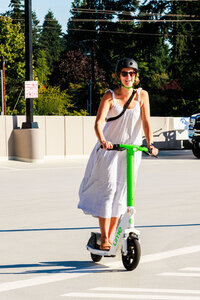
29, 68
92, 104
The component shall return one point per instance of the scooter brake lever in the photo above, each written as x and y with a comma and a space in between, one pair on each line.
149, 153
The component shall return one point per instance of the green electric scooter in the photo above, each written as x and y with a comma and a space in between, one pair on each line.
126, 238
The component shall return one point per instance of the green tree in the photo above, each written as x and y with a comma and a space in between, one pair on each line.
12, 47
52, 101
36, 32
152, 51
185, 54
50, 40
16, 12
167, 51
41, 68
105, 30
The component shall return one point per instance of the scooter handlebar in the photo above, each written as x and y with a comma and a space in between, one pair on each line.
118, 147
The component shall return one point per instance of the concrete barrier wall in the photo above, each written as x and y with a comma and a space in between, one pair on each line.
62, 136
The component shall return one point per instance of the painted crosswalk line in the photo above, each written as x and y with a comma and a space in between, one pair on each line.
136, 290
191, 269
70, 274
137, 293
179, 274
184, 272
170, 253
126, 296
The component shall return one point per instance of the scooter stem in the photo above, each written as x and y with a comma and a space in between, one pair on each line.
130, 177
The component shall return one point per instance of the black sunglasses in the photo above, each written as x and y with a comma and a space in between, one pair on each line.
131, 73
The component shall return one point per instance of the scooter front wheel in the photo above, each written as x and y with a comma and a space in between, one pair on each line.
95, 257
131, 260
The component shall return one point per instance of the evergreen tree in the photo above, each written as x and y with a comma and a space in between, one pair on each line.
36, 35
17, 12
50, 40
106, 28
167, 51
185, 56
41, 67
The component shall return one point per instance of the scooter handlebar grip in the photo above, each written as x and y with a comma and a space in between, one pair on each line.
116, 147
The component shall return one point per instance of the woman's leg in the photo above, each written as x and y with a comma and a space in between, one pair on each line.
112, 228
107, 228
104, 224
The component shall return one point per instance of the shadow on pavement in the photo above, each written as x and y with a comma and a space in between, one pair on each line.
57, 267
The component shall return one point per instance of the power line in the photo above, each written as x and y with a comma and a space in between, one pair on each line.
134, 33
136, 20
128, 13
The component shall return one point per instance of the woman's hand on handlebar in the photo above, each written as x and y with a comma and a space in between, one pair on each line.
106, 145
153, 150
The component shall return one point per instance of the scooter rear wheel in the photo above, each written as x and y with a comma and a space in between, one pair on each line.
95, 257
131, 260
196, 149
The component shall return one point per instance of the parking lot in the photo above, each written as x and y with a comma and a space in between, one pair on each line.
43, 234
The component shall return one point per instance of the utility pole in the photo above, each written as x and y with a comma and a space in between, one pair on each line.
92, 80
4, 88
29, 62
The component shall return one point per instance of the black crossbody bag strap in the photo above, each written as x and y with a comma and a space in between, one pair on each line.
124, 108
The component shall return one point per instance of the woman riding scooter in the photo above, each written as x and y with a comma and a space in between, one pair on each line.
103, 189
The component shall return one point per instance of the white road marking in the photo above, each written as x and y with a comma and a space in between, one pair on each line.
9, 168
13, 285
164, 255
82, 272
138, 290
128, 296
168, 254
191, 269
179, 274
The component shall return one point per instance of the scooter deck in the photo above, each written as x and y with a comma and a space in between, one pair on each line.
100, 252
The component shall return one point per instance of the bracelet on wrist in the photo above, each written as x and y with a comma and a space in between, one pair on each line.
150, 144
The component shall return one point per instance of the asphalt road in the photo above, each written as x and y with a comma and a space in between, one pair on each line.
43, 235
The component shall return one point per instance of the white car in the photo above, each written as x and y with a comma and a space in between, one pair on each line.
194, 134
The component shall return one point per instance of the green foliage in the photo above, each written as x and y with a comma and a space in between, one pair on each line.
51, 101
50, 39
16, 13
167, 54
12, 47
74, 75
41, 68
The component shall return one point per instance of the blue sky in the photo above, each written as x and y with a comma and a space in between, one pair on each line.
60, 8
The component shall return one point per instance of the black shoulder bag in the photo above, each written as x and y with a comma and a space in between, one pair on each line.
124, 108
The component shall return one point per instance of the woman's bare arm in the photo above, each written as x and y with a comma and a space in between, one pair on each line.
104, 107
145, 115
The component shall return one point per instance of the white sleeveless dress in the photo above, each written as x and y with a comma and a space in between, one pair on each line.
102, 192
